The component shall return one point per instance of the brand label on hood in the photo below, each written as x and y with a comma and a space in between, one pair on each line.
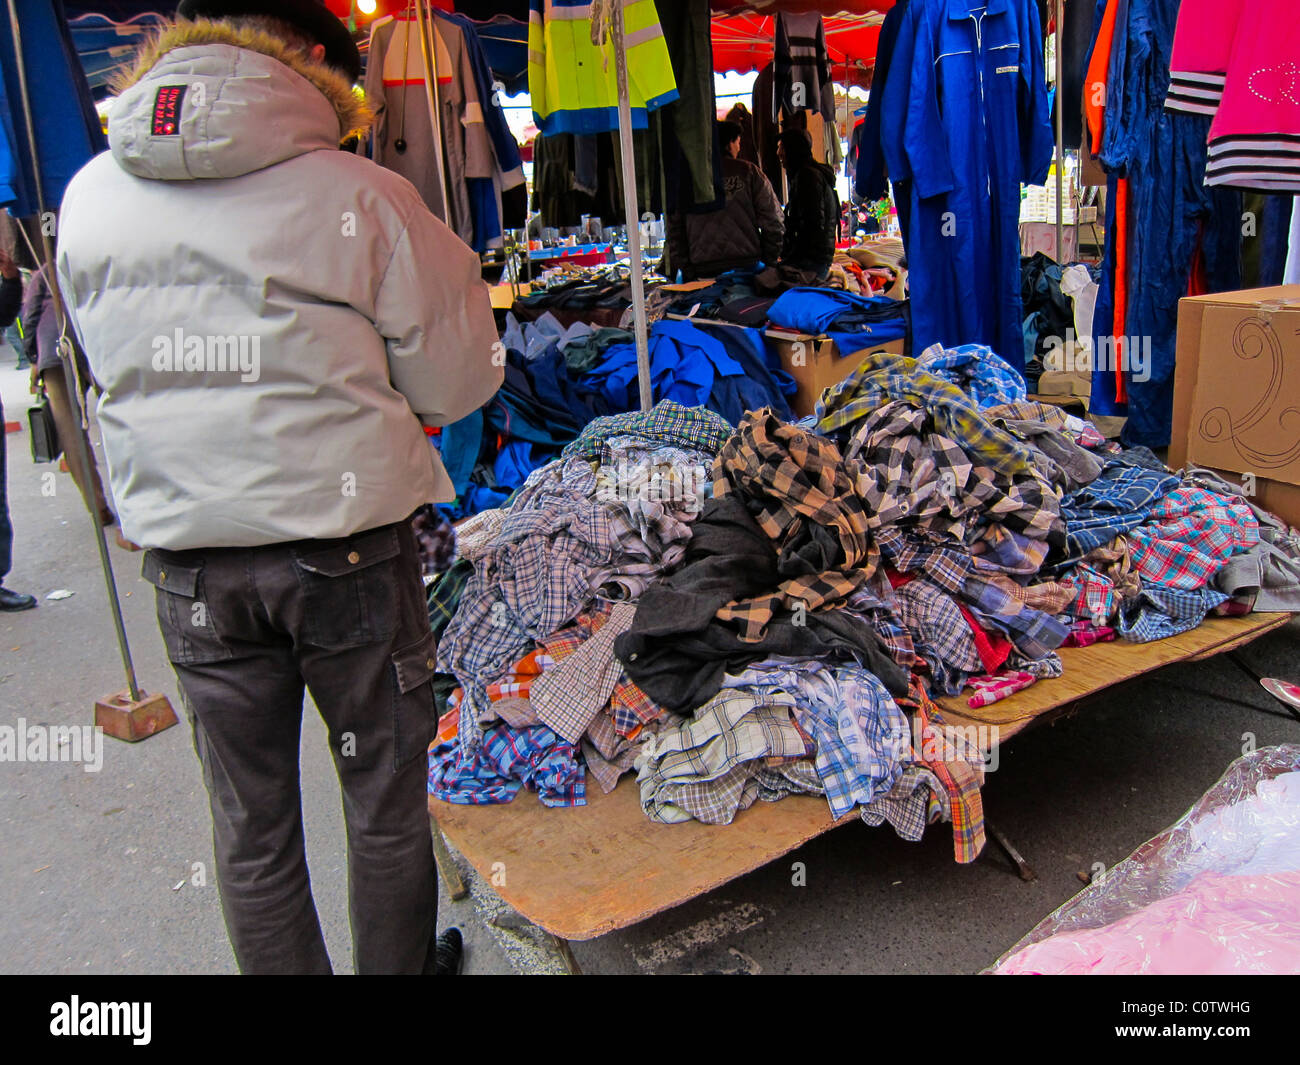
167, 111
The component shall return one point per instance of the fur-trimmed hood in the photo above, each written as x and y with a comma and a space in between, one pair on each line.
210, 100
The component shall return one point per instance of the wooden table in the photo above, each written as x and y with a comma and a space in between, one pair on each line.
579, 873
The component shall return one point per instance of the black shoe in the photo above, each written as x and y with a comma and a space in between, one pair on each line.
448, 953
16, 600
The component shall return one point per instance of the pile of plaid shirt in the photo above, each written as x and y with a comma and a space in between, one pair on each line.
966, 537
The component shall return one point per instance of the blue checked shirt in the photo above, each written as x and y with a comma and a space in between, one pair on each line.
1117, 501
860, 732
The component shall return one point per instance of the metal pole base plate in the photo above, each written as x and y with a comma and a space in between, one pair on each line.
132, 720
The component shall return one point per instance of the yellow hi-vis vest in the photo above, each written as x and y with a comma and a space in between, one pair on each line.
574, 83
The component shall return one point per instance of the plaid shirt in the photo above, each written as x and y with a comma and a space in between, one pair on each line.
855, 724
1162, 612
667, 422
629, 706
882, 377
1117, 501
1033, 632
1051, 597
570, 695
508, 759
556, 547
1096, 599
960, 770
444, 596
795, 484
916, 800
1085, 634
928, 501
940, 633
974, 368
1080, 431
994, 687
705, 768
1191, 534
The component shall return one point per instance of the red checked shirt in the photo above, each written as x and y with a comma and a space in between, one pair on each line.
1188, 537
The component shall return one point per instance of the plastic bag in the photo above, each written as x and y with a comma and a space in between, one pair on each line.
1217, 892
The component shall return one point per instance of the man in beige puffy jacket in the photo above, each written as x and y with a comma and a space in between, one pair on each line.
271, 321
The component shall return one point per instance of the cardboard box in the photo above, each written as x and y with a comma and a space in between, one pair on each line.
816, 364
1237, 392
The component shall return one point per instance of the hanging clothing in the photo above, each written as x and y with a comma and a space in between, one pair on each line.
1202, 48
869, 180
574, 83
766, 129
803, 66
966, 119
1255, 138
740, 115
395, 89
67, 128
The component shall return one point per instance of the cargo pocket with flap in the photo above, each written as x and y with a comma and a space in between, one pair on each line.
414, 716
184, 616
349, 598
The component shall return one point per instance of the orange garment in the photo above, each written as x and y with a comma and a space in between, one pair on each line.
1094, 102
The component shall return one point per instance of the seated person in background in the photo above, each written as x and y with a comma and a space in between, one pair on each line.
812, 213
745, 230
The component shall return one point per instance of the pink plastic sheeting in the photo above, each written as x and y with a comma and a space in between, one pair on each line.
1218, 925
1217, 892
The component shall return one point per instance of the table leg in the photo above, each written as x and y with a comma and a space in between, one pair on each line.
446, 867
1008, 848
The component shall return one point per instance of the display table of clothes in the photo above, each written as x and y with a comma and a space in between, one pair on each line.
737, 613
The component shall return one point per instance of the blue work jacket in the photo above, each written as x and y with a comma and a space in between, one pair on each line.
965, 120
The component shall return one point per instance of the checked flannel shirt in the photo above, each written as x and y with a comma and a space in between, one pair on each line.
883, 376
1119, 500
668, 422
960, 769
1188, 537
507, 760
710, 767
569, 696
932, 508
557, 547
940, 634
797, 488
1158, 612
1096, 599
1034, 633
974, 368
859, 732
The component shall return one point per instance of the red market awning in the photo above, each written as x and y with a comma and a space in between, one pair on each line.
825, 8
745, 43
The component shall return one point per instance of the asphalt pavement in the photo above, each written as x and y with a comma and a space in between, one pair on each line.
112, 872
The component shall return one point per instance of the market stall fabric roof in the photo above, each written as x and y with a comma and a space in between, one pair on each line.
745, 42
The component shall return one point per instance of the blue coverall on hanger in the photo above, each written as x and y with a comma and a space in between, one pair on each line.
965, 121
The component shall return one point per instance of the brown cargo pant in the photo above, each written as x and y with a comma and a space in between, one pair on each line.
246, 629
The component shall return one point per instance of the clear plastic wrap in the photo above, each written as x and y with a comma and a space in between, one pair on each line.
1218, 891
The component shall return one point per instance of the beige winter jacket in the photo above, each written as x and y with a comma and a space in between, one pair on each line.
270, 318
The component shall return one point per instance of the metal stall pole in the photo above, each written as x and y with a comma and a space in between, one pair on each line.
132, 714
1060, 134
630, 207
429, 51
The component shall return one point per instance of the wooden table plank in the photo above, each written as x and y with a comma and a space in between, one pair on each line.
579, 873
